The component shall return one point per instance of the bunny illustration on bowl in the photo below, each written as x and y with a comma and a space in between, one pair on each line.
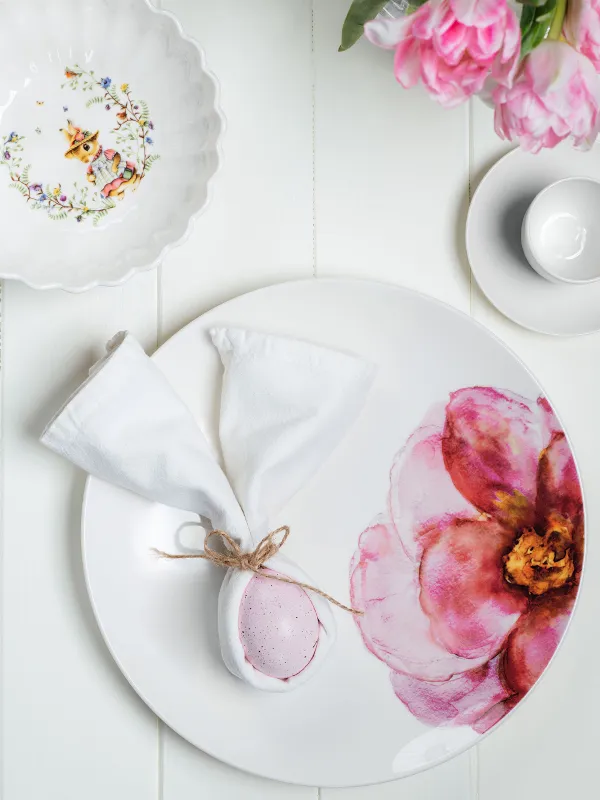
107, 170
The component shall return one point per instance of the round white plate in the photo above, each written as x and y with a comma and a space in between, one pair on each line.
159, 618
494, 243
118, 82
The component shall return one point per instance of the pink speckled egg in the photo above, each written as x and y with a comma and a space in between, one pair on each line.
278, 626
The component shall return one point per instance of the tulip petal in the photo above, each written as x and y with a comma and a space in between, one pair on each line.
452, 45
450, 42
448, 85
407, 63
427, 19
478, 13
384, 583
564, 91
512, 38
485, 43
462, 700
387, 33
505, 66
491, 447
566, 80
582, 28
471, 606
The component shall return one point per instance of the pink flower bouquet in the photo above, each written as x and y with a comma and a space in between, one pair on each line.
537, 62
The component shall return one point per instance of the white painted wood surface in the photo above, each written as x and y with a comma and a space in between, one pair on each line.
329, 169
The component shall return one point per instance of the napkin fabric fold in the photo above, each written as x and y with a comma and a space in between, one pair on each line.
127, 426
285, 406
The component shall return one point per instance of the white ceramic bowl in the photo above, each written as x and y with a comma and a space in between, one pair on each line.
561, 231
125, 70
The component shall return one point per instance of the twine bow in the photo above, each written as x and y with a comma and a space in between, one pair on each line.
254, 560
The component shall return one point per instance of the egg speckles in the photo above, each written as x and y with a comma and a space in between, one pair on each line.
278, 627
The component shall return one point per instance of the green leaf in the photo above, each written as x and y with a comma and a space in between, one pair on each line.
18, 187
99, 215
527, 20
94, 101
150, 160
25, 174
361, 11
535, 25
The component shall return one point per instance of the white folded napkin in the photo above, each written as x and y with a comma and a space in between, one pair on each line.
285, 406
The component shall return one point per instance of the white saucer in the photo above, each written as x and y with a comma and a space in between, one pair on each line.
494, 244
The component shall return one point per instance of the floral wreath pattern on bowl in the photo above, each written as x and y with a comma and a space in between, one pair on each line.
110, 172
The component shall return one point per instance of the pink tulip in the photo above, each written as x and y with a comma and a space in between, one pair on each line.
555, 96
582, 27
452, 46
468, 579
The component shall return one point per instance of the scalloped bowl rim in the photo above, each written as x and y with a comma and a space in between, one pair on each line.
193, 217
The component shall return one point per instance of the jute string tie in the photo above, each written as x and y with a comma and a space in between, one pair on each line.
254, 560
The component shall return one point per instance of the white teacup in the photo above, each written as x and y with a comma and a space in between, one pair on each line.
561, 231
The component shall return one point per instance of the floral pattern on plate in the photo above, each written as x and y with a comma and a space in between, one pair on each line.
468, 578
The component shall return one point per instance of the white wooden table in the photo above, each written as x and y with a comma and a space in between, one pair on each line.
329, 169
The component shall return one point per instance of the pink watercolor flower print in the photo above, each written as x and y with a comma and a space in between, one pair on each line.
468, 578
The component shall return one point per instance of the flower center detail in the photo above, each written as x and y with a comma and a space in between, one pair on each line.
542, 561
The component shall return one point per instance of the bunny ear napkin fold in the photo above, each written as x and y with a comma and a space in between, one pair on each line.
285, 406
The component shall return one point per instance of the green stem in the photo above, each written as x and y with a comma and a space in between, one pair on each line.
559, 18
54, 202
